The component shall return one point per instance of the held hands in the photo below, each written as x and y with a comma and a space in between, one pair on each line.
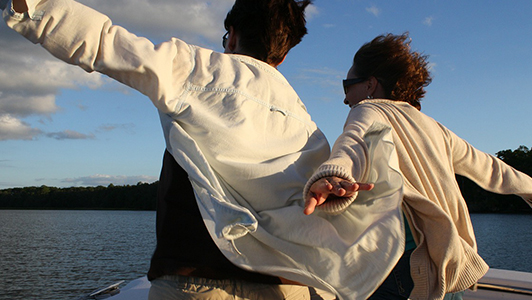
331, 187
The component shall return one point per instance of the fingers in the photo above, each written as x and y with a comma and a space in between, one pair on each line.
356, 186
318, 193
327, 186
324, 187
313, 201
310, 206
365, 186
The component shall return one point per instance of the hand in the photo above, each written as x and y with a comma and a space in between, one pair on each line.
331, 187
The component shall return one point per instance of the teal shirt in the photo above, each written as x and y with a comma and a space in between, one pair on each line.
409, 238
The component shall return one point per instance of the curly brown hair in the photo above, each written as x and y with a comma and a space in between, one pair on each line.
268, 28
403, 73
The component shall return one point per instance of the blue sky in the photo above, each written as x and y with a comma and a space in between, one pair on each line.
60, 126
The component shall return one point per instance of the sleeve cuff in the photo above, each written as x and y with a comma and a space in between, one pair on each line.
331, 206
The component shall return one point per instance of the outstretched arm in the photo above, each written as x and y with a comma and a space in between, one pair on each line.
82, 36
331, 187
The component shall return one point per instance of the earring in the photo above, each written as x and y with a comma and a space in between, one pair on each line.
369, 97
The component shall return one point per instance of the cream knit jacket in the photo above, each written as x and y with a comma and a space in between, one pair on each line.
429, 156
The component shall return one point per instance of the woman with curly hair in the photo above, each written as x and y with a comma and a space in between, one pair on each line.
387, 141
402, 74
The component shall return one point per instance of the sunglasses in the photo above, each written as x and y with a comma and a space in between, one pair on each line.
224, 39
349, 82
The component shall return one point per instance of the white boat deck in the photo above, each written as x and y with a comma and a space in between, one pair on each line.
500, 284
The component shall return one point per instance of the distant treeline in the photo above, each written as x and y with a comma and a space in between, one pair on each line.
129, 197
143, 195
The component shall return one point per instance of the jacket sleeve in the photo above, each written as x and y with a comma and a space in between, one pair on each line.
349, 157
489, 172
82, 36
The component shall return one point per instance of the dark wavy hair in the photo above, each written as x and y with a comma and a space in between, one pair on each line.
268, 28
403, 73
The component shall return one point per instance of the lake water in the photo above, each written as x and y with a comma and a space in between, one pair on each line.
64, 254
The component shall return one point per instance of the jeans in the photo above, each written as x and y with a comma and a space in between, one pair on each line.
193, 288
398, 285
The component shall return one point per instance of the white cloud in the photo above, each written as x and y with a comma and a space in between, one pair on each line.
14, 129
70, 135
428, 21
374, 10
190, 20
311, 11
21, 105
30, 78
29, 70
105, 180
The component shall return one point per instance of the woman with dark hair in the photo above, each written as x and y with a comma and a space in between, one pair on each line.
384, 87
236, 132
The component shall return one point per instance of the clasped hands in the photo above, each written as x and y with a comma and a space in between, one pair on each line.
331, 187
